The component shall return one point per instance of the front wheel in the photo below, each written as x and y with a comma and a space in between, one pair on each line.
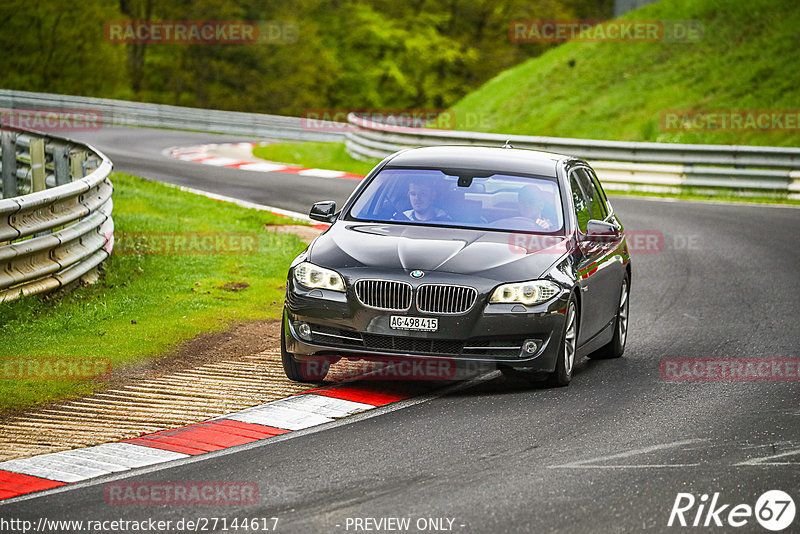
616, 347
566, 353
312, 371
565, 362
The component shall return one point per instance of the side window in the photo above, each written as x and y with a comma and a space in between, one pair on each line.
579, 201
601, 194
597, 209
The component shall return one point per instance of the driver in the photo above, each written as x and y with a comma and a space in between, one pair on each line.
422, 195
531, 205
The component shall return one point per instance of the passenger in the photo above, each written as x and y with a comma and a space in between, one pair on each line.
422, 195
531, 206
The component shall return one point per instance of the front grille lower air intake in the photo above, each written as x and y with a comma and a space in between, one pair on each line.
384, 294
436, 298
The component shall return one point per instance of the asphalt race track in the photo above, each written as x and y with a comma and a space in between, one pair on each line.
139, 152
609, 453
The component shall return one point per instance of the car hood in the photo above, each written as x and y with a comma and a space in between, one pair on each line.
500, 255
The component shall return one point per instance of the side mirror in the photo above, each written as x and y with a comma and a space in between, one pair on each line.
323, 211
601, 229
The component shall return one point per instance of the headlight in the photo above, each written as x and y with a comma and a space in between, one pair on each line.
528, 293
312, 276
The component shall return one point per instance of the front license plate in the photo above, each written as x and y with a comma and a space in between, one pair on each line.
402, 322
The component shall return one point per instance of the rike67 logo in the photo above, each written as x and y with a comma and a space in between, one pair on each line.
774, 510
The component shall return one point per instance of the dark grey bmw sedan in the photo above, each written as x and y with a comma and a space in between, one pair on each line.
500, 256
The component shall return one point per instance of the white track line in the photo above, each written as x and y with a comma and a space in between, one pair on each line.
582, 464
245, 204
766, 460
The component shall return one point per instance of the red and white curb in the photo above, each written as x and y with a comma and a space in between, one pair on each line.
312, 408
240, 156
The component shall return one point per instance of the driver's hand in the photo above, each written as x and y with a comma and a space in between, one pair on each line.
543, 223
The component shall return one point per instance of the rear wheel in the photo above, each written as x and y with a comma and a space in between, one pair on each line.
312, 371
616, 347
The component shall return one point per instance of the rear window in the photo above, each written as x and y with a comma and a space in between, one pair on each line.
434, 197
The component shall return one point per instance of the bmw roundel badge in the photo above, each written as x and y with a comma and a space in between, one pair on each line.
417, 274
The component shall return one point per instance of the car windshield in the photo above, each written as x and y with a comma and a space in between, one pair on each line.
471, 199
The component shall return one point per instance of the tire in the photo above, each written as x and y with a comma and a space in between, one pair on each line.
565, 362
530, 377
616, 347
295, 370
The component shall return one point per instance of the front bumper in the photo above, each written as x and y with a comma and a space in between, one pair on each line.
496, 334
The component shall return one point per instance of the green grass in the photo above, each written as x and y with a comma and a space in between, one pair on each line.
618, 90
332, 156
723, 195
171, 298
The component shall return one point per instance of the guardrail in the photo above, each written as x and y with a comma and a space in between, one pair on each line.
106, 112
651, 167
60, 229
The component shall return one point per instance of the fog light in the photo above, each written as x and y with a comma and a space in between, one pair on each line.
303, 330
530, 347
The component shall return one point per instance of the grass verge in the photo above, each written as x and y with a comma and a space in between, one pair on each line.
619, 90
318, 155
723, 195
147, 304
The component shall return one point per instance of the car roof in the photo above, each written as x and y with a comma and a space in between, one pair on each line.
514, 160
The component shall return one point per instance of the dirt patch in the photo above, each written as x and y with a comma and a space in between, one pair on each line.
241, 340
230, 378
306, 233
235, 287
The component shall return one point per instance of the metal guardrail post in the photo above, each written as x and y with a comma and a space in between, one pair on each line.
76, 164
61, 164
9, 147
37, 165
